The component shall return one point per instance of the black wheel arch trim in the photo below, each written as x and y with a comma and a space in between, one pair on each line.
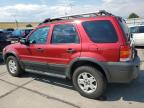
14, 54
9, 53
100, 64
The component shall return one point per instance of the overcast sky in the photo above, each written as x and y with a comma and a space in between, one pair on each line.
38, 10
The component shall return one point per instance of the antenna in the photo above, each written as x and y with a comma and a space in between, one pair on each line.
68, 5
71, 6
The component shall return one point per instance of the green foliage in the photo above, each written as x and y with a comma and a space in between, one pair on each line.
133, 15
29, 25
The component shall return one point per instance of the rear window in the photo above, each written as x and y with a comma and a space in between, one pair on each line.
100, 31
137, 29
124, 27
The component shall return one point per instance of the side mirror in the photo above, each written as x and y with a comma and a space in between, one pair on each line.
32, 42
23, 41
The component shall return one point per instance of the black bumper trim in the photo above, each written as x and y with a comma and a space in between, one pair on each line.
123, 72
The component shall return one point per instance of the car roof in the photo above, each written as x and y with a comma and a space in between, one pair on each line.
77, 20
80, 17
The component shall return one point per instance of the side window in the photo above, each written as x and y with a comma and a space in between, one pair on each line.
141, 29
134, 29
64, 34
39, 36
100, 31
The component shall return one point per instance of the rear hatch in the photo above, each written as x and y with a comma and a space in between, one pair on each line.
128, 37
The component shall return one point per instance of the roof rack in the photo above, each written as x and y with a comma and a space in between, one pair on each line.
86, 15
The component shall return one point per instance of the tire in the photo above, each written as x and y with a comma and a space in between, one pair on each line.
95, 84
15, 68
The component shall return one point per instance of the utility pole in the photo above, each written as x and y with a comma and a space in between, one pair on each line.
16, 21
68, 4
71, 7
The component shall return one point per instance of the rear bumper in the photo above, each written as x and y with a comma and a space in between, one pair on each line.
123, 72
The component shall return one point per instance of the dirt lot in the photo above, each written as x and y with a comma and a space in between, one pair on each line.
5, 25
36, 91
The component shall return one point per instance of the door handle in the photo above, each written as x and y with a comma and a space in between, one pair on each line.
70, 50
40, 49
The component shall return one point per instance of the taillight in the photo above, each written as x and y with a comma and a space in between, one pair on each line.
125, 53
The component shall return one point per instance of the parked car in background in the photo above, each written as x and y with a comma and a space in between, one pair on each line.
3, 40
19, 33
15, 35
138, 34
9, 30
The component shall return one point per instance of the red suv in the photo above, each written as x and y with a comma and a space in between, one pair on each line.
91, 49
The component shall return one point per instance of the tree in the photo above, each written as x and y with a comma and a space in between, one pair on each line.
133, 15
29, 25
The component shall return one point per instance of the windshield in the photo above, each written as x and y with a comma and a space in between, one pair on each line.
137, 29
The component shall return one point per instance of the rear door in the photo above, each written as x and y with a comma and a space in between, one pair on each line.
104, 39
64, 46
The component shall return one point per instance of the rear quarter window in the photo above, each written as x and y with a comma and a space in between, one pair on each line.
100, 31
124, 27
